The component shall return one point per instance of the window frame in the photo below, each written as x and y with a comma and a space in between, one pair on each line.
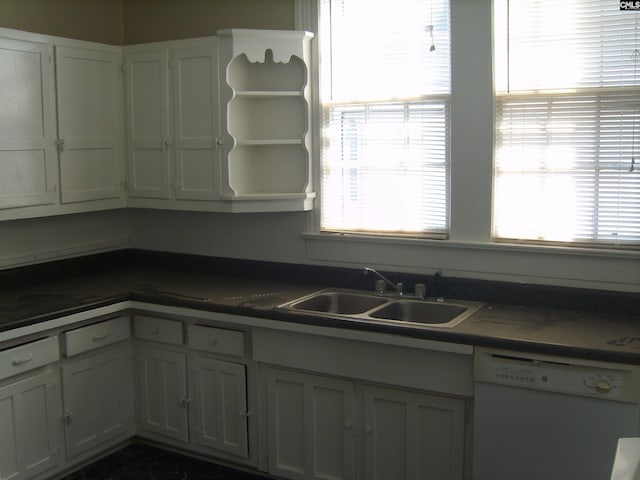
576, 115
402, 214
470, 250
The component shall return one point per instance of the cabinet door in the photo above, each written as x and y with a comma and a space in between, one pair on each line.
31, 429
412, 436
89, 123
148, 132
196, 123
162, 392
28, 167
310, 426
98, 398
219, 405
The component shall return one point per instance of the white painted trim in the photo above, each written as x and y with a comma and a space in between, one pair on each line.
350, 334
303, 15
65, 321
126, 306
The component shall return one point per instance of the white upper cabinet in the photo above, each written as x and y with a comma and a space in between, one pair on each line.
266, 99
220, 123
148, 124
173, 124
196, 122
89, 122
60, 126
28, 164
213, 124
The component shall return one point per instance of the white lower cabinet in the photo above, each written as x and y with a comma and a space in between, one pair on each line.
188, 395
218, 407
320, 427
162, 392
311, 426
330, 408
97, 388
98, 401
409, 435
31, 430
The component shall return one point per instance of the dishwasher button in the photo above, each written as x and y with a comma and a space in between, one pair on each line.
602, 386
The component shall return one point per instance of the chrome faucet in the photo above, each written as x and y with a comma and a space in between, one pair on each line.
383, 281
397, 287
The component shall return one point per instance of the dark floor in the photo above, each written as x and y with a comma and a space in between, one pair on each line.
141, 462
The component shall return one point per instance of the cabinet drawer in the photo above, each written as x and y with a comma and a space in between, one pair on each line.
216, 340
158, 330
29, 356
95, 336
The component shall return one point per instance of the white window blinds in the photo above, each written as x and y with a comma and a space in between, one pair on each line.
567, 120
385, 83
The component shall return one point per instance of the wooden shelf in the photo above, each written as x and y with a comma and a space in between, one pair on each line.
268, 117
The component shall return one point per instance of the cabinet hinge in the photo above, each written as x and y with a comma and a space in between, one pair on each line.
124, 67
60, 144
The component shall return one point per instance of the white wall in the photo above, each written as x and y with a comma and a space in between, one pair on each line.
280, 237
269, 237
24, 242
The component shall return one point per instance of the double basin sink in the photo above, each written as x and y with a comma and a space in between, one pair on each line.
394, 310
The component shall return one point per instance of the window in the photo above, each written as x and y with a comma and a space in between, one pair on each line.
567, 122
385, 87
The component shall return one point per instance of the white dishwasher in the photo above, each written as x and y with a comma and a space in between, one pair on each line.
539, 417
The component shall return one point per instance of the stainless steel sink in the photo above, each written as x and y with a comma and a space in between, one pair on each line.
432, 313
342, 303
361, 306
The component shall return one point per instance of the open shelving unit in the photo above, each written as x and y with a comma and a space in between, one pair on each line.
267, 144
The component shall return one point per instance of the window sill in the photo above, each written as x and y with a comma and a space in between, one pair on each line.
593, 268
495, 246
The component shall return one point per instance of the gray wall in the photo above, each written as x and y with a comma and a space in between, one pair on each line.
122, 22
157, 20
93, 20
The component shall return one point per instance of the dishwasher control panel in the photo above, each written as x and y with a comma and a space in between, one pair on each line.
585, 378
556, 377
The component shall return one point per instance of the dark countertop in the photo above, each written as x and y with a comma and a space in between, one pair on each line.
593, 333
